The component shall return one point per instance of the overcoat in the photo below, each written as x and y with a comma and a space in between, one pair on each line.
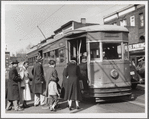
38, 82
83, 76
13, 88
64, 84
73, 88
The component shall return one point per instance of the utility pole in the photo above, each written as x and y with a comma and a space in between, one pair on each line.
41, 32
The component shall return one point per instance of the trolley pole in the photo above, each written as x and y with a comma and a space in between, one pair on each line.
41, 32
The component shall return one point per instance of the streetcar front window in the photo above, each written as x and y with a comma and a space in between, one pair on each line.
112, 51
126, 51
94, 51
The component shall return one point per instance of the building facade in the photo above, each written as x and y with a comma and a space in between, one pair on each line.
133, 18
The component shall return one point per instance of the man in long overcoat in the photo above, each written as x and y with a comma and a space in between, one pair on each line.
13, 88
38, 83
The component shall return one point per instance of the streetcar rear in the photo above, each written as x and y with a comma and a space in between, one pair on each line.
107, 59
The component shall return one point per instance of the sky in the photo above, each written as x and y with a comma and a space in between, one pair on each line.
20, 19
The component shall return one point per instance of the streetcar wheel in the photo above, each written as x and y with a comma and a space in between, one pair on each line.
134, 85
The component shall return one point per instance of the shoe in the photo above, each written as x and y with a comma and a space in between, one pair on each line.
70, 108
77, 107
26, 106
19, 109
8, 109
36, 105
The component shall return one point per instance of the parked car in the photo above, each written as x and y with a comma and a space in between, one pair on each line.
141, 70
135, 78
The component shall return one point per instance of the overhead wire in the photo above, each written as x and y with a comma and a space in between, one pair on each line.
54, 13
43, 21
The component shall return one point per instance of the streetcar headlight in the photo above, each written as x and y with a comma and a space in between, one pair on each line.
114, 73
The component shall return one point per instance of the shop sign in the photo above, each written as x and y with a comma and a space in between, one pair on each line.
138, 46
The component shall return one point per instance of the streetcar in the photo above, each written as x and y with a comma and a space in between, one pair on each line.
107, 51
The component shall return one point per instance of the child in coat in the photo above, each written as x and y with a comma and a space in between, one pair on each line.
53, 87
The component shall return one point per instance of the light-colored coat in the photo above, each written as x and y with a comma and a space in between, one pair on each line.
26, 94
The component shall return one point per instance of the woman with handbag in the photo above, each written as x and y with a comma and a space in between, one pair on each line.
25, 88
73, 92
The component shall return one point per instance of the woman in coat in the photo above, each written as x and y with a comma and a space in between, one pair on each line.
25, 89
73, 88
64, 84
13, 95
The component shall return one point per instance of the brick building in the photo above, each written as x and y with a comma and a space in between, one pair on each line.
133, 18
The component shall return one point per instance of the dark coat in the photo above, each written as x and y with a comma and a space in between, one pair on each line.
83, 76
73, 88
13, 88
38, 82
64, 84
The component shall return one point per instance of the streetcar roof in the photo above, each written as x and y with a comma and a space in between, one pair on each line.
99, 28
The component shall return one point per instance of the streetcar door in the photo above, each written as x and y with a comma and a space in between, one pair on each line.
76, 48
94, 61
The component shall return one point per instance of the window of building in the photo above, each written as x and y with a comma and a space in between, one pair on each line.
132, 21
142, 39
141, 19
123, 22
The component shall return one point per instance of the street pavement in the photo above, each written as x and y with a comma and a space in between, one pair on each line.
118, 105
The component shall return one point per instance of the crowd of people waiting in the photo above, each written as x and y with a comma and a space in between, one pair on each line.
45, 86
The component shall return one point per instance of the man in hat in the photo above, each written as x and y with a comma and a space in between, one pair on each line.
13, 88
38, 83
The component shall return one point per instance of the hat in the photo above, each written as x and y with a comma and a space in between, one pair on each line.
39, 58
15, 62
84, 59
52, 62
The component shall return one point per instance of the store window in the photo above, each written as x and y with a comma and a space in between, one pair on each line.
132, 21
141, 19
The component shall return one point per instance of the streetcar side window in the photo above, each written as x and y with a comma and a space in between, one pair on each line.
112, 51
94, 50
61, 56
